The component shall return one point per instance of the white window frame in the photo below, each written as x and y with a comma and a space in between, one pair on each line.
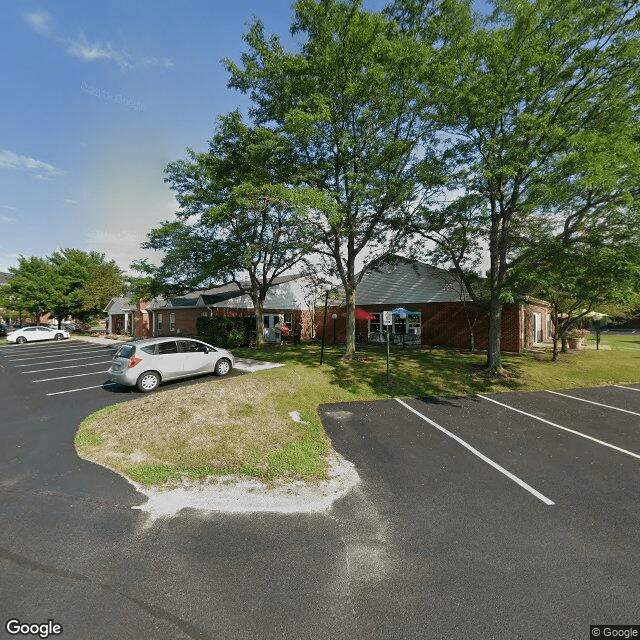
414, 325
172, 322
159, 324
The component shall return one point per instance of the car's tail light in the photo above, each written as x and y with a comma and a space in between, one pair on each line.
133, 361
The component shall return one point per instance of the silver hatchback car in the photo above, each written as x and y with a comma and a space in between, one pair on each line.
147, 363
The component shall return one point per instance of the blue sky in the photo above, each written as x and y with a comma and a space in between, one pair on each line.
96, 99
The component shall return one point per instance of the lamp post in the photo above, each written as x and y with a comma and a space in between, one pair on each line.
335, 317
403, 317
326, 288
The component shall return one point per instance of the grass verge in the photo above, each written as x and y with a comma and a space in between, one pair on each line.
243, 426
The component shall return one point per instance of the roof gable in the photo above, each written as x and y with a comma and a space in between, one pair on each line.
407, 282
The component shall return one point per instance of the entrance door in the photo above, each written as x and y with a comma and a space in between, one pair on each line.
269, 321
537, 327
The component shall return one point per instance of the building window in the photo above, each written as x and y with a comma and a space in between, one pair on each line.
376, 324
414, 325
376, 330
160, 323
172, 322
288, 320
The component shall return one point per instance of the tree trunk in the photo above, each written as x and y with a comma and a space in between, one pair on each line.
554, 358
351, 324
494, 357
258, 306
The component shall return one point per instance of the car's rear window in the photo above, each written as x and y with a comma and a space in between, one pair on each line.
126, 351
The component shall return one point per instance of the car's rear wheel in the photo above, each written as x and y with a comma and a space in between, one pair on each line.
223, 366
148, 381
58, 336
21, 340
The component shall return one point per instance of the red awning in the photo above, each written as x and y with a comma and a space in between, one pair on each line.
364, 315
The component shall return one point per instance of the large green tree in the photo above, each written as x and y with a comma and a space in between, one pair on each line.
581, 275
241, 219
348, 103
85, 282
537, 107
70, 282
33, 287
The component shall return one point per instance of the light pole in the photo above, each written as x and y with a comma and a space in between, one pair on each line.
327, 288
403, 317
335, 317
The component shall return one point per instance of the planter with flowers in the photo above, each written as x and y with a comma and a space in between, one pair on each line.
578, 338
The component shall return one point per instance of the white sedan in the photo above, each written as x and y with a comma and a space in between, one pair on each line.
31, 334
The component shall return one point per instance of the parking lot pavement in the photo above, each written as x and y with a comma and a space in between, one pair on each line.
53, 369
518, 520
58, 368
436, 541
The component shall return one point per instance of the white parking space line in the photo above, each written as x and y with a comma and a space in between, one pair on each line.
599, 404
495, 465
630, 388
97, 386
69, 366
37, 364
75, 375
558, 426
57, 355
51, 345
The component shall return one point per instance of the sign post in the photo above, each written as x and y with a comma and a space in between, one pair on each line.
387, 321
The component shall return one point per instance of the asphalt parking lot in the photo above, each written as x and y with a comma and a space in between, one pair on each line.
500, 517
517, 514
71, 367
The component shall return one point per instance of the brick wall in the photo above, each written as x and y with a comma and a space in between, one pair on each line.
443, 324
186, 318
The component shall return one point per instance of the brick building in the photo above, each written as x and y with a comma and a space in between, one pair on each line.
291, 300
446, 313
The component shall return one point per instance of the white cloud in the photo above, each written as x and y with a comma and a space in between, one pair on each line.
83, 49
6, 219
40, 21
90, 52
11, 160
69, 201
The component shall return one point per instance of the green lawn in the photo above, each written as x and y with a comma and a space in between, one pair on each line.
243, 425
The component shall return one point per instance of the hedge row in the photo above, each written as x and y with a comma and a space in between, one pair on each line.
227, 332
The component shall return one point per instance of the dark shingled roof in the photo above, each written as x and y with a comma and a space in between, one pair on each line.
211, 296
407, 282
183, 302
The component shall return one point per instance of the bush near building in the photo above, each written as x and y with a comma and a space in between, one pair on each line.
227, 332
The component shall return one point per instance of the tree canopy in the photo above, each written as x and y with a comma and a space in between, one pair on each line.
348, 104
241, 218
70, 282
537, 108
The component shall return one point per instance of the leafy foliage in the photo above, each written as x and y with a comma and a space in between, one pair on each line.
227, 332
347, 103
579, 276
537, 110
70, 282
241, 220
